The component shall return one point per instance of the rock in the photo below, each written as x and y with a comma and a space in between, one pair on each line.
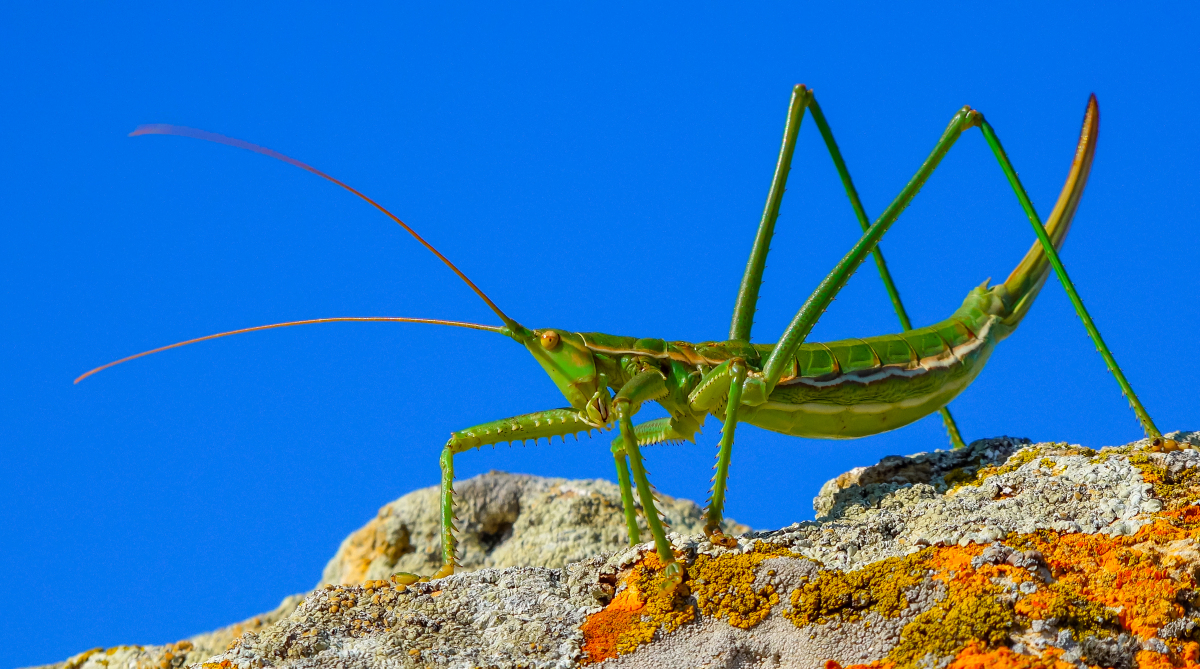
864, 486
182, 653
505, 520
1002, 554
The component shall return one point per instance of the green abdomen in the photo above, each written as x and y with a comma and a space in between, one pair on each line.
860, 387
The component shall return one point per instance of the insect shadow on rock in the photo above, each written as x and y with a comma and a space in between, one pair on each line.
837, 390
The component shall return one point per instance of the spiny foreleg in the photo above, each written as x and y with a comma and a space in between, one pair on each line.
538, 425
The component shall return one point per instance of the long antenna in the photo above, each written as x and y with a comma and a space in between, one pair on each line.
184, 131
473, 326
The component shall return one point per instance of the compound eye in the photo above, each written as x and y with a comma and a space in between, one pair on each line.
550, 340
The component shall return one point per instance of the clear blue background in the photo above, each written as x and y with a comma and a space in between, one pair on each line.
592, 170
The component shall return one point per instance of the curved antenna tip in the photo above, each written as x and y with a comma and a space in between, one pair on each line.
184, 131
154, 129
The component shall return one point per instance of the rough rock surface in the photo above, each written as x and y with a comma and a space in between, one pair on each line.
506, 520
1004, 554
179, 654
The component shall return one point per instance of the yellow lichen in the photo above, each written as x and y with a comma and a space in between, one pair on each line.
838, 595
724, 585
950, 625
78, 660
1016, 461
1176, 490
974, 610
1101, 584
1126, 574
1097, 585
959, 476
1065, 603
977, 612
963, 476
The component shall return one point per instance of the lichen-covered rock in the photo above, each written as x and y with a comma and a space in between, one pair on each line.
977, 495
505, 520
520, 616
1005, 554
865, 486
179, 654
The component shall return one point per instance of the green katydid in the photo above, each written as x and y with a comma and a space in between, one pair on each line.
836, 390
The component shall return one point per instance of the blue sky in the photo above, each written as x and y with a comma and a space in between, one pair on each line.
591, 169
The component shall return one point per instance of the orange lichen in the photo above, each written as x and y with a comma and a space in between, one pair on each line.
1100, 582
636, 613
975, 656
723, 586
602, 630
974, 610
1099, 585
1132, 575
1070, 608
1185, 659
1094, 585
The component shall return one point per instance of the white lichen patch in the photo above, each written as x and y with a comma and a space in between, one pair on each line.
948, 498
521, 616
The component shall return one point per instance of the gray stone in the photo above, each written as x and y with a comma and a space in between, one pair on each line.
569, 534
505, 520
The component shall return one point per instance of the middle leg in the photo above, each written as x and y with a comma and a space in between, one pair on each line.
683, 428
645, 386
716, 501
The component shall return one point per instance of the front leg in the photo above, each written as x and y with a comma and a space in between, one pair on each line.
538, 425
